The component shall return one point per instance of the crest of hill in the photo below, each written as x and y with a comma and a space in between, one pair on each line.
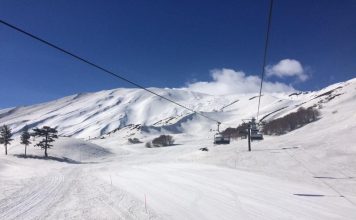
91, 115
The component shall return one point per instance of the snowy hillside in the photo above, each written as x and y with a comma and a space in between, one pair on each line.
96, 114
308, 173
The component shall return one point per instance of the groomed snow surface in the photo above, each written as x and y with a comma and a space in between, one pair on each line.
309, 173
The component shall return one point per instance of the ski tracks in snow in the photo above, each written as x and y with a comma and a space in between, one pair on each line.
34, 198
71, 193
95, 199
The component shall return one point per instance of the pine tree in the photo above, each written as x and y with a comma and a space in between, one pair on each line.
25, 139
5, 136
48, 134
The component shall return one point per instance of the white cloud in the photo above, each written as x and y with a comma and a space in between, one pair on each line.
287, 68
229, 81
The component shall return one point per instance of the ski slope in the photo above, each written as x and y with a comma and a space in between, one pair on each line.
95, 114
309, 173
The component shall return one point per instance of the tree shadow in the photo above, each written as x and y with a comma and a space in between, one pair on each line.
286, 148
271, 149
276, 149
164, 146
333, 178
309, 195
58, 159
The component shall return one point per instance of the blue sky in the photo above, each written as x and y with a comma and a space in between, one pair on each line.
169, 44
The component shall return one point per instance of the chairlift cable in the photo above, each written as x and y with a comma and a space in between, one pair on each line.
265, 54
138, 85
101, 68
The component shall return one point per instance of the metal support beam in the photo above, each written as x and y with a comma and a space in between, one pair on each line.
249, 137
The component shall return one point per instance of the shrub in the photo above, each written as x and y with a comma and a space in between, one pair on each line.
134, 141
291, 121
163, 141
240, 131
148, 145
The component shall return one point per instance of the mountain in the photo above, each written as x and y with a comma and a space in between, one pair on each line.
308, 173
95, 114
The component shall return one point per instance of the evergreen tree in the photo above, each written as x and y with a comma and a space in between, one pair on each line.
48, 134
25, 139
5, 136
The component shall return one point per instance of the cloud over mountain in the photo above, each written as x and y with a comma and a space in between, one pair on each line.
287, 68
228, 81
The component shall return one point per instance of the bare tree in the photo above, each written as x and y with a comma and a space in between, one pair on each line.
239, 131
291, 121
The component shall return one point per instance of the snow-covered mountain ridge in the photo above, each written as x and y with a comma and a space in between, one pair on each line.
308, 173
95, 114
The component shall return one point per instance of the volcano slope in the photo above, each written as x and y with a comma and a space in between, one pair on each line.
309, 173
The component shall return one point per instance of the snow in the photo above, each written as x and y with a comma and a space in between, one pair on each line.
190, 191
309, 173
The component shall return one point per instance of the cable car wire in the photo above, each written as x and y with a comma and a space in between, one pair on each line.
102, 68
265, 54
138, 85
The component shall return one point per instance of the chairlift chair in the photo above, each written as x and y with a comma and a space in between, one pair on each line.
256, 135
255, 132
221, 139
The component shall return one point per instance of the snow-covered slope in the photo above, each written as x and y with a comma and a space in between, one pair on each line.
96, 114
309, 173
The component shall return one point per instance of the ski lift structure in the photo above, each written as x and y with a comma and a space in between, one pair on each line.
255, 134
253, 129
220, 138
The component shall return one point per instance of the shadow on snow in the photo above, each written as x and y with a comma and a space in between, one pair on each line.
58, 159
